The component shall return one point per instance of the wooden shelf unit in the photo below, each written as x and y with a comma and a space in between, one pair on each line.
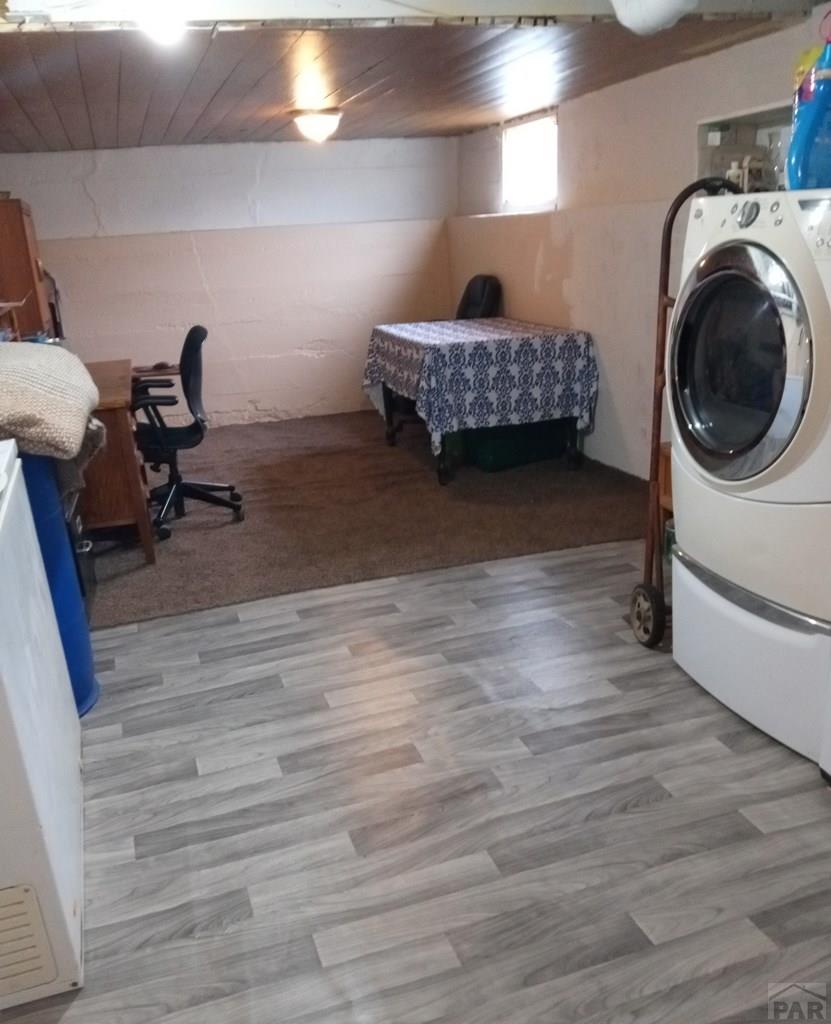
21, 269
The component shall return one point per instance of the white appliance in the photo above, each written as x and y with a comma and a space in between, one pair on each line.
41, 827
749, 393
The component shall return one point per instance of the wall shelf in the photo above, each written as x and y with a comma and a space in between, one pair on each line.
759, 138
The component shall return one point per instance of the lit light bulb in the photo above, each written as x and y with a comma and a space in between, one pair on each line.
161, 22
317, 125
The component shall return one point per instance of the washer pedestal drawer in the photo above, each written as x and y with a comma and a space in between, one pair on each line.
768, 665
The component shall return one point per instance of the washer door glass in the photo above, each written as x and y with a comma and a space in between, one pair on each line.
740, 361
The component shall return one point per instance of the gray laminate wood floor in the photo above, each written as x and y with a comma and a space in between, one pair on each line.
464, 796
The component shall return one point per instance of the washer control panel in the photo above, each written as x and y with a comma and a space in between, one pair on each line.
761, 210
773, 219
815, 222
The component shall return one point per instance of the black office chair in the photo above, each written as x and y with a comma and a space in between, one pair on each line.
482, 297
160, 443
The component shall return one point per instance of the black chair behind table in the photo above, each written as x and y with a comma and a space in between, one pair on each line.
482, 297
161, 443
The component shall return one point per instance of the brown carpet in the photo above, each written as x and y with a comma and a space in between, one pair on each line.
327, 502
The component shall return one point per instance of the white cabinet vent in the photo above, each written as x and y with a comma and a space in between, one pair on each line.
26, 959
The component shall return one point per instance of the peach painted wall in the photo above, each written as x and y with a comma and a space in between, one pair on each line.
637, 141
289, 309
593, 264
578, 268
288, 253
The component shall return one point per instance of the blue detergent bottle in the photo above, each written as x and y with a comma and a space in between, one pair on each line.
809, 155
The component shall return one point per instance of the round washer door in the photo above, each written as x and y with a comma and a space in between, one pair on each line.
740, 361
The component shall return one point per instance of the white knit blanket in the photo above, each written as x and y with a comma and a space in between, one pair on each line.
46, 397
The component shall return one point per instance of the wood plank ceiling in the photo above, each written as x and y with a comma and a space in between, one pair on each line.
107, 89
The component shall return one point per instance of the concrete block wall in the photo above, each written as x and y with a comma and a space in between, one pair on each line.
288, 253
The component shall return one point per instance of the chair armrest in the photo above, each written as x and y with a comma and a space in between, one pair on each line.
149, 405
148, 401
146, 388
153, 382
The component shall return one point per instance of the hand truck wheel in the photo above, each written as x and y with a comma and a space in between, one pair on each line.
648, 614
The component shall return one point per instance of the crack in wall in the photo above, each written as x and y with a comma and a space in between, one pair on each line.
254, 191
257, 411
96, 212
203, 277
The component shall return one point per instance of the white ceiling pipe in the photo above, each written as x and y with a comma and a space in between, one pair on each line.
647, 16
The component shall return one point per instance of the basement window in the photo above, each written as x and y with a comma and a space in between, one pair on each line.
529, 165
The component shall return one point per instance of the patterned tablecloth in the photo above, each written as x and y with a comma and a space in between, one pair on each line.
485, 373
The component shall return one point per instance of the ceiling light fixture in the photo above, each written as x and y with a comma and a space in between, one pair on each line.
645, 17
161, 23
317, 125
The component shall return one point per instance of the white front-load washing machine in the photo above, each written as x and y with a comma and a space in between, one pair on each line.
749, 395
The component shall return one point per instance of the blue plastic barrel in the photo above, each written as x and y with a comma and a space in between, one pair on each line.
59, 560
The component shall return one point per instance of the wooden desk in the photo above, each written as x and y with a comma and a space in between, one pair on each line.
168, 370
115, 492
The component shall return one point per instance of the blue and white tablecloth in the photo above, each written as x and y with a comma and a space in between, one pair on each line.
485, 373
